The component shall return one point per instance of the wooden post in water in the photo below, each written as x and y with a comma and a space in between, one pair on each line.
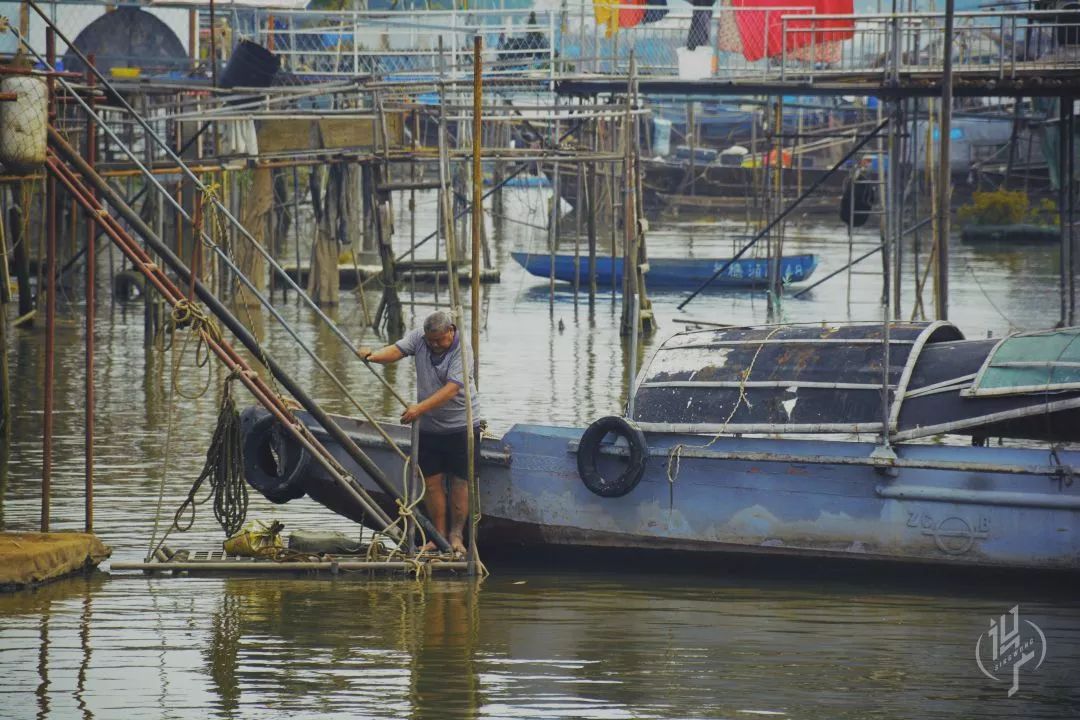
16, 218
590, 211
323, 282
629, 260
5, 298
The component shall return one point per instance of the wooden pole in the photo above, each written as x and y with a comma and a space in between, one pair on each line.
590, 217
477, 224
5, 298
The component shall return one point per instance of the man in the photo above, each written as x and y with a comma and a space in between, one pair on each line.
440, 410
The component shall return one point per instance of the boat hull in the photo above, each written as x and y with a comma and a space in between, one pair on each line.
671, 272
532, 498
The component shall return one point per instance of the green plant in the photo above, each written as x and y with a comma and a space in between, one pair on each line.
1006, 207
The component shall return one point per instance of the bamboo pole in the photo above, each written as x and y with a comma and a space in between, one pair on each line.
477, 224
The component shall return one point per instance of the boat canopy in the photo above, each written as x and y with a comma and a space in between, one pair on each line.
827, 378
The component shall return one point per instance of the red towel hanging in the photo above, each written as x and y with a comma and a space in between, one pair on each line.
762, 32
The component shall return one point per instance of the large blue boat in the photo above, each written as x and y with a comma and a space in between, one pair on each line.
671, 272
777, 440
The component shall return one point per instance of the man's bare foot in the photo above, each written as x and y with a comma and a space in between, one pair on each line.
457, 545
429, 547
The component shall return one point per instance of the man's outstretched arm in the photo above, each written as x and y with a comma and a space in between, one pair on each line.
382, 356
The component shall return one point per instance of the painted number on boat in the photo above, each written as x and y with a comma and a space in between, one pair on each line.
953, 535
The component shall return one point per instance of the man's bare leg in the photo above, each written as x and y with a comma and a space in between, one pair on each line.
435, 506
459, 513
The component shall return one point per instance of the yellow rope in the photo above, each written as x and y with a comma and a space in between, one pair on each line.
675, 456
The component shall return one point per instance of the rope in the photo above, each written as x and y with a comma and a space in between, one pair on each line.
978, 284
224, 469
189, 315
675, 456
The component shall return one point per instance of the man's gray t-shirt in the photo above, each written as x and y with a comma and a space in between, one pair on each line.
432, 373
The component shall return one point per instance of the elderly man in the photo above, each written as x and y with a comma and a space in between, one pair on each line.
438, 354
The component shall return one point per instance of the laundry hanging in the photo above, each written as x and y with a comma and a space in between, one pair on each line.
762, 31
699, 23
616, 14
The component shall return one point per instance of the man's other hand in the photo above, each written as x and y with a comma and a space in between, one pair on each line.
364, 352
411, 413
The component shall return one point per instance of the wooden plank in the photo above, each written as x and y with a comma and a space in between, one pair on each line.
284, 135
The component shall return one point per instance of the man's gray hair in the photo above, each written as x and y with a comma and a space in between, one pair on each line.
438, 322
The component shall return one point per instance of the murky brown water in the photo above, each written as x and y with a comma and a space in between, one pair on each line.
524, 643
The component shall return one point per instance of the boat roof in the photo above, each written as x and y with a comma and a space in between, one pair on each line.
827, 378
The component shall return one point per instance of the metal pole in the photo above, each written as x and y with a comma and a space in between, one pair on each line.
91, 261
1070, 198
249, 341
477, 202
941, 282
50, 303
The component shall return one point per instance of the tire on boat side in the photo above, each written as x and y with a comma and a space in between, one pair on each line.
589, 451
271, 466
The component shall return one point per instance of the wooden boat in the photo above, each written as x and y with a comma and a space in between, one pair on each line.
671, 272
769, 440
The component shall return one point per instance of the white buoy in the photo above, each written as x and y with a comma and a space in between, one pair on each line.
24, 123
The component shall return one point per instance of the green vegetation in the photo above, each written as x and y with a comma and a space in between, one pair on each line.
1007, 207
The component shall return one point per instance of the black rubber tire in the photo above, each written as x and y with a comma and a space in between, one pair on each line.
128, 286
277, 484
589, 451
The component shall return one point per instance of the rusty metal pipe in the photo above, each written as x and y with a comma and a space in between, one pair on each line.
50, 306
91, 258
230, 358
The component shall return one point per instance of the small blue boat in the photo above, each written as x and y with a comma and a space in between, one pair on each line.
672, 272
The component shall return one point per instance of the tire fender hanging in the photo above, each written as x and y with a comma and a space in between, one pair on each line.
272, 465
589, 451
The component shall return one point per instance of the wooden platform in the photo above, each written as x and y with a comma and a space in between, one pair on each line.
28, 559
217, 562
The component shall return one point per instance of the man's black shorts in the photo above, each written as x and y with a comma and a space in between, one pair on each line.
447, 452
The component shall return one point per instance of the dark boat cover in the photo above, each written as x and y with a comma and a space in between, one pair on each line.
827, 378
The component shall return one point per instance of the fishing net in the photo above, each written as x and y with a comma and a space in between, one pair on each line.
25, 123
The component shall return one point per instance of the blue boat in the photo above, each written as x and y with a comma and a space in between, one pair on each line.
777, 440
672, 272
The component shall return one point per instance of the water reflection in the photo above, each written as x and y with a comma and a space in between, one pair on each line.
526, 644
